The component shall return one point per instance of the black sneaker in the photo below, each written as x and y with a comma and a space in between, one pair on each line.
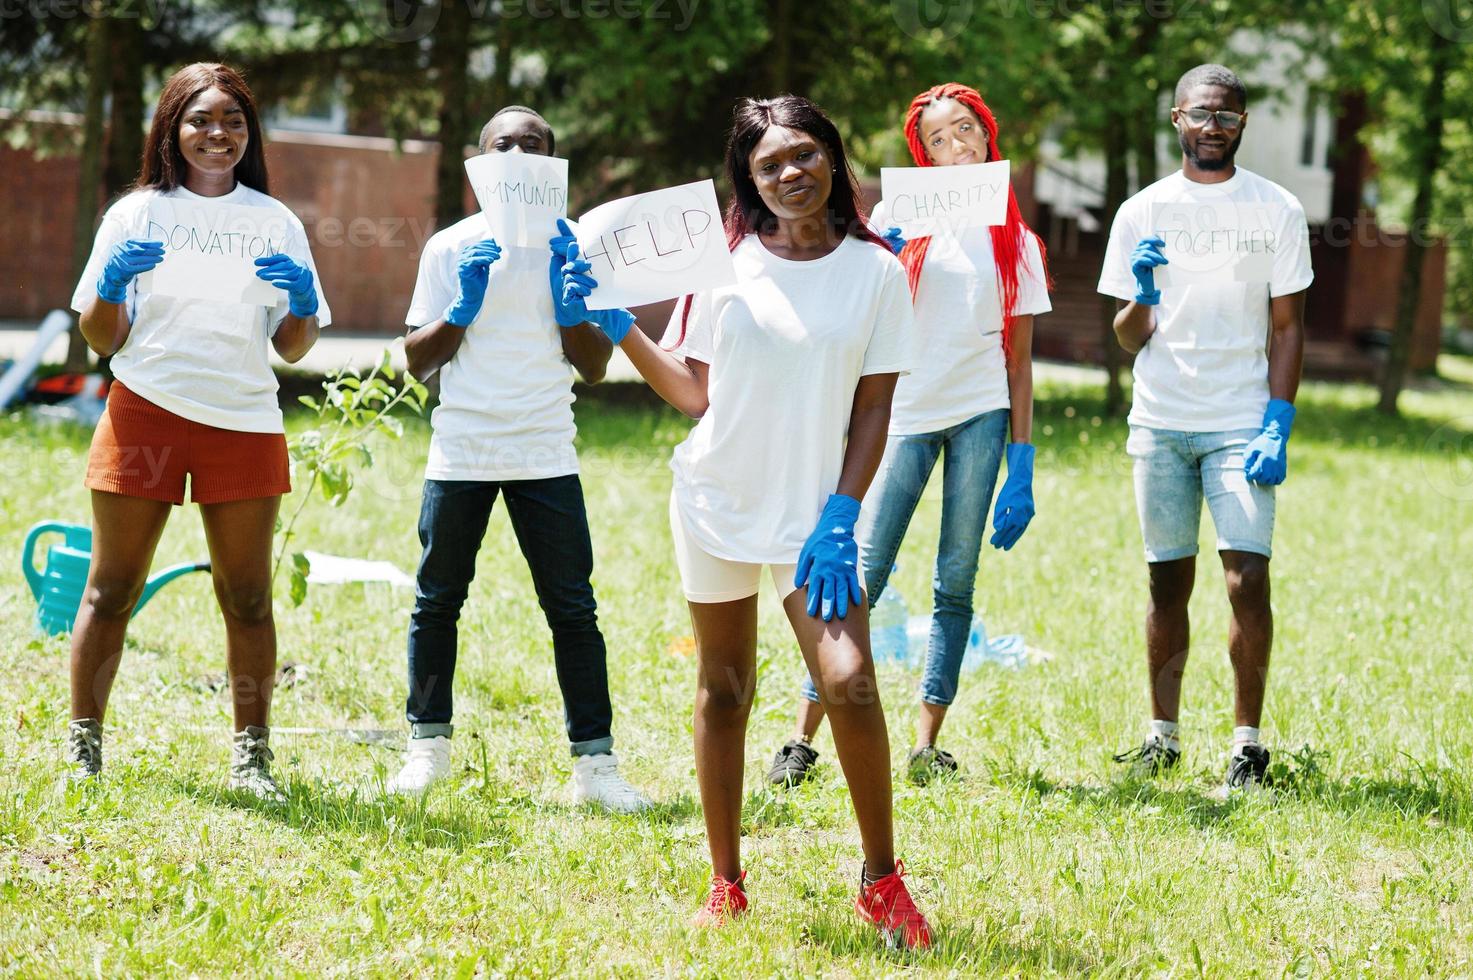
793, 763
1152, 758
927, 763
1247, 770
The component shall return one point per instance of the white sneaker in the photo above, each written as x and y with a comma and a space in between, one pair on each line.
426, 762
596, 779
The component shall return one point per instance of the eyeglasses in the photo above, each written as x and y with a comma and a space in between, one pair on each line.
1225, 119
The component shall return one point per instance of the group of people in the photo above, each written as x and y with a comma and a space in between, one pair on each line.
842, 356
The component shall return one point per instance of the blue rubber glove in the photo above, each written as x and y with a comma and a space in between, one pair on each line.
126, 260
559, 244
829, 561
893, 239
473, 271
1266, 460
1143, 262
577, 284
1014, 508
284, 272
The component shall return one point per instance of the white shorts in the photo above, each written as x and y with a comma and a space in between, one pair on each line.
707, 578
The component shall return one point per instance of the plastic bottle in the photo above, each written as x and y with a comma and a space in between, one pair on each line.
1008, 651
977, 651
918, 635
887, 620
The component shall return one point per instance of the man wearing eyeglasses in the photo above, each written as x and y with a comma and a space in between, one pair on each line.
1217, 368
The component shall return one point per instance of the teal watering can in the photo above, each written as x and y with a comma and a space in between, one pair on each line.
58, 588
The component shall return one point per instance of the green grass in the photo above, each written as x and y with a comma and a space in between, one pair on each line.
1040, 860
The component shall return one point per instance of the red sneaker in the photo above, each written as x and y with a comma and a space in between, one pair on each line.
887, 906
726, 901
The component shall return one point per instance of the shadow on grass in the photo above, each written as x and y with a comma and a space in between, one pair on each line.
502, 800
1417, 793
769, 808
1200, 809
967, 949
442, 821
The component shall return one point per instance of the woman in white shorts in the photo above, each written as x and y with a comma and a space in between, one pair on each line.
790, 371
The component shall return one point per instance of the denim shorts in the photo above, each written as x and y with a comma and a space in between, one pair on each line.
1175, 470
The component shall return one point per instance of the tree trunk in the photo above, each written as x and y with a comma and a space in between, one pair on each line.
1427, 159
1115, 148
125, 121
1332, 260
1148, 122
450, 54
501, 75
89, 175
782, 46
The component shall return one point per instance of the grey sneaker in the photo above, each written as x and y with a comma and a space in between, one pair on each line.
83, 748
929, 762
250, 765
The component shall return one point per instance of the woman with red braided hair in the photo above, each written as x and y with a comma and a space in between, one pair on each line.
975, 298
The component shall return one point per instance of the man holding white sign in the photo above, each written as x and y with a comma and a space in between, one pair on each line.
483, 316
1220, 343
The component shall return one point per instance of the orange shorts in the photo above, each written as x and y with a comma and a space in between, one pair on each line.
142, 450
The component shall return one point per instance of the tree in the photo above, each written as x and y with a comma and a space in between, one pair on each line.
450, 54
1426, 154
1412, 61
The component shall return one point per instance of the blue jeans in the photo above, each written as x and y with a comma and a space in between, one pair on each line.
974, 451
551, 526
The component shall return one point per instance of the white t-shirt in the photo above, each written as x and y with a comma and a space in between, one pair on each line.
787, 345
205, 361
506, 397
960, 371
1205, 368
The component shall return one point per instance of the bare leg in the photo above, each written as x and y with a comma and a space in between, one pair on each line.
810, 716
838, 658
239, 534
726, 645
1168, 633
125, 532
1251, 632
932, 715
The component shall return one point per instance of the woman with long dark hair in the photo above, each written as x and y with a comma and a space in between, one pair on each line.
790, 372
194, 397
975, 299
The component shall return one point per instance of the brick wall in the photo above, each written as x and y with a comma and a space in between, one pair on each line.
368, 208
38, 205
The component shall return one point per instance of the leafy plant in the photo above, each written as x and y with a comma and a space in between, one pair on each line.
353, 408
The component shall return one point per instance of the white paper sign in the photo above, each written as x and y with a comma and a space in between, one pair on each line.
210, 250
655, 246
521, 196
1217, 242
932, 200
